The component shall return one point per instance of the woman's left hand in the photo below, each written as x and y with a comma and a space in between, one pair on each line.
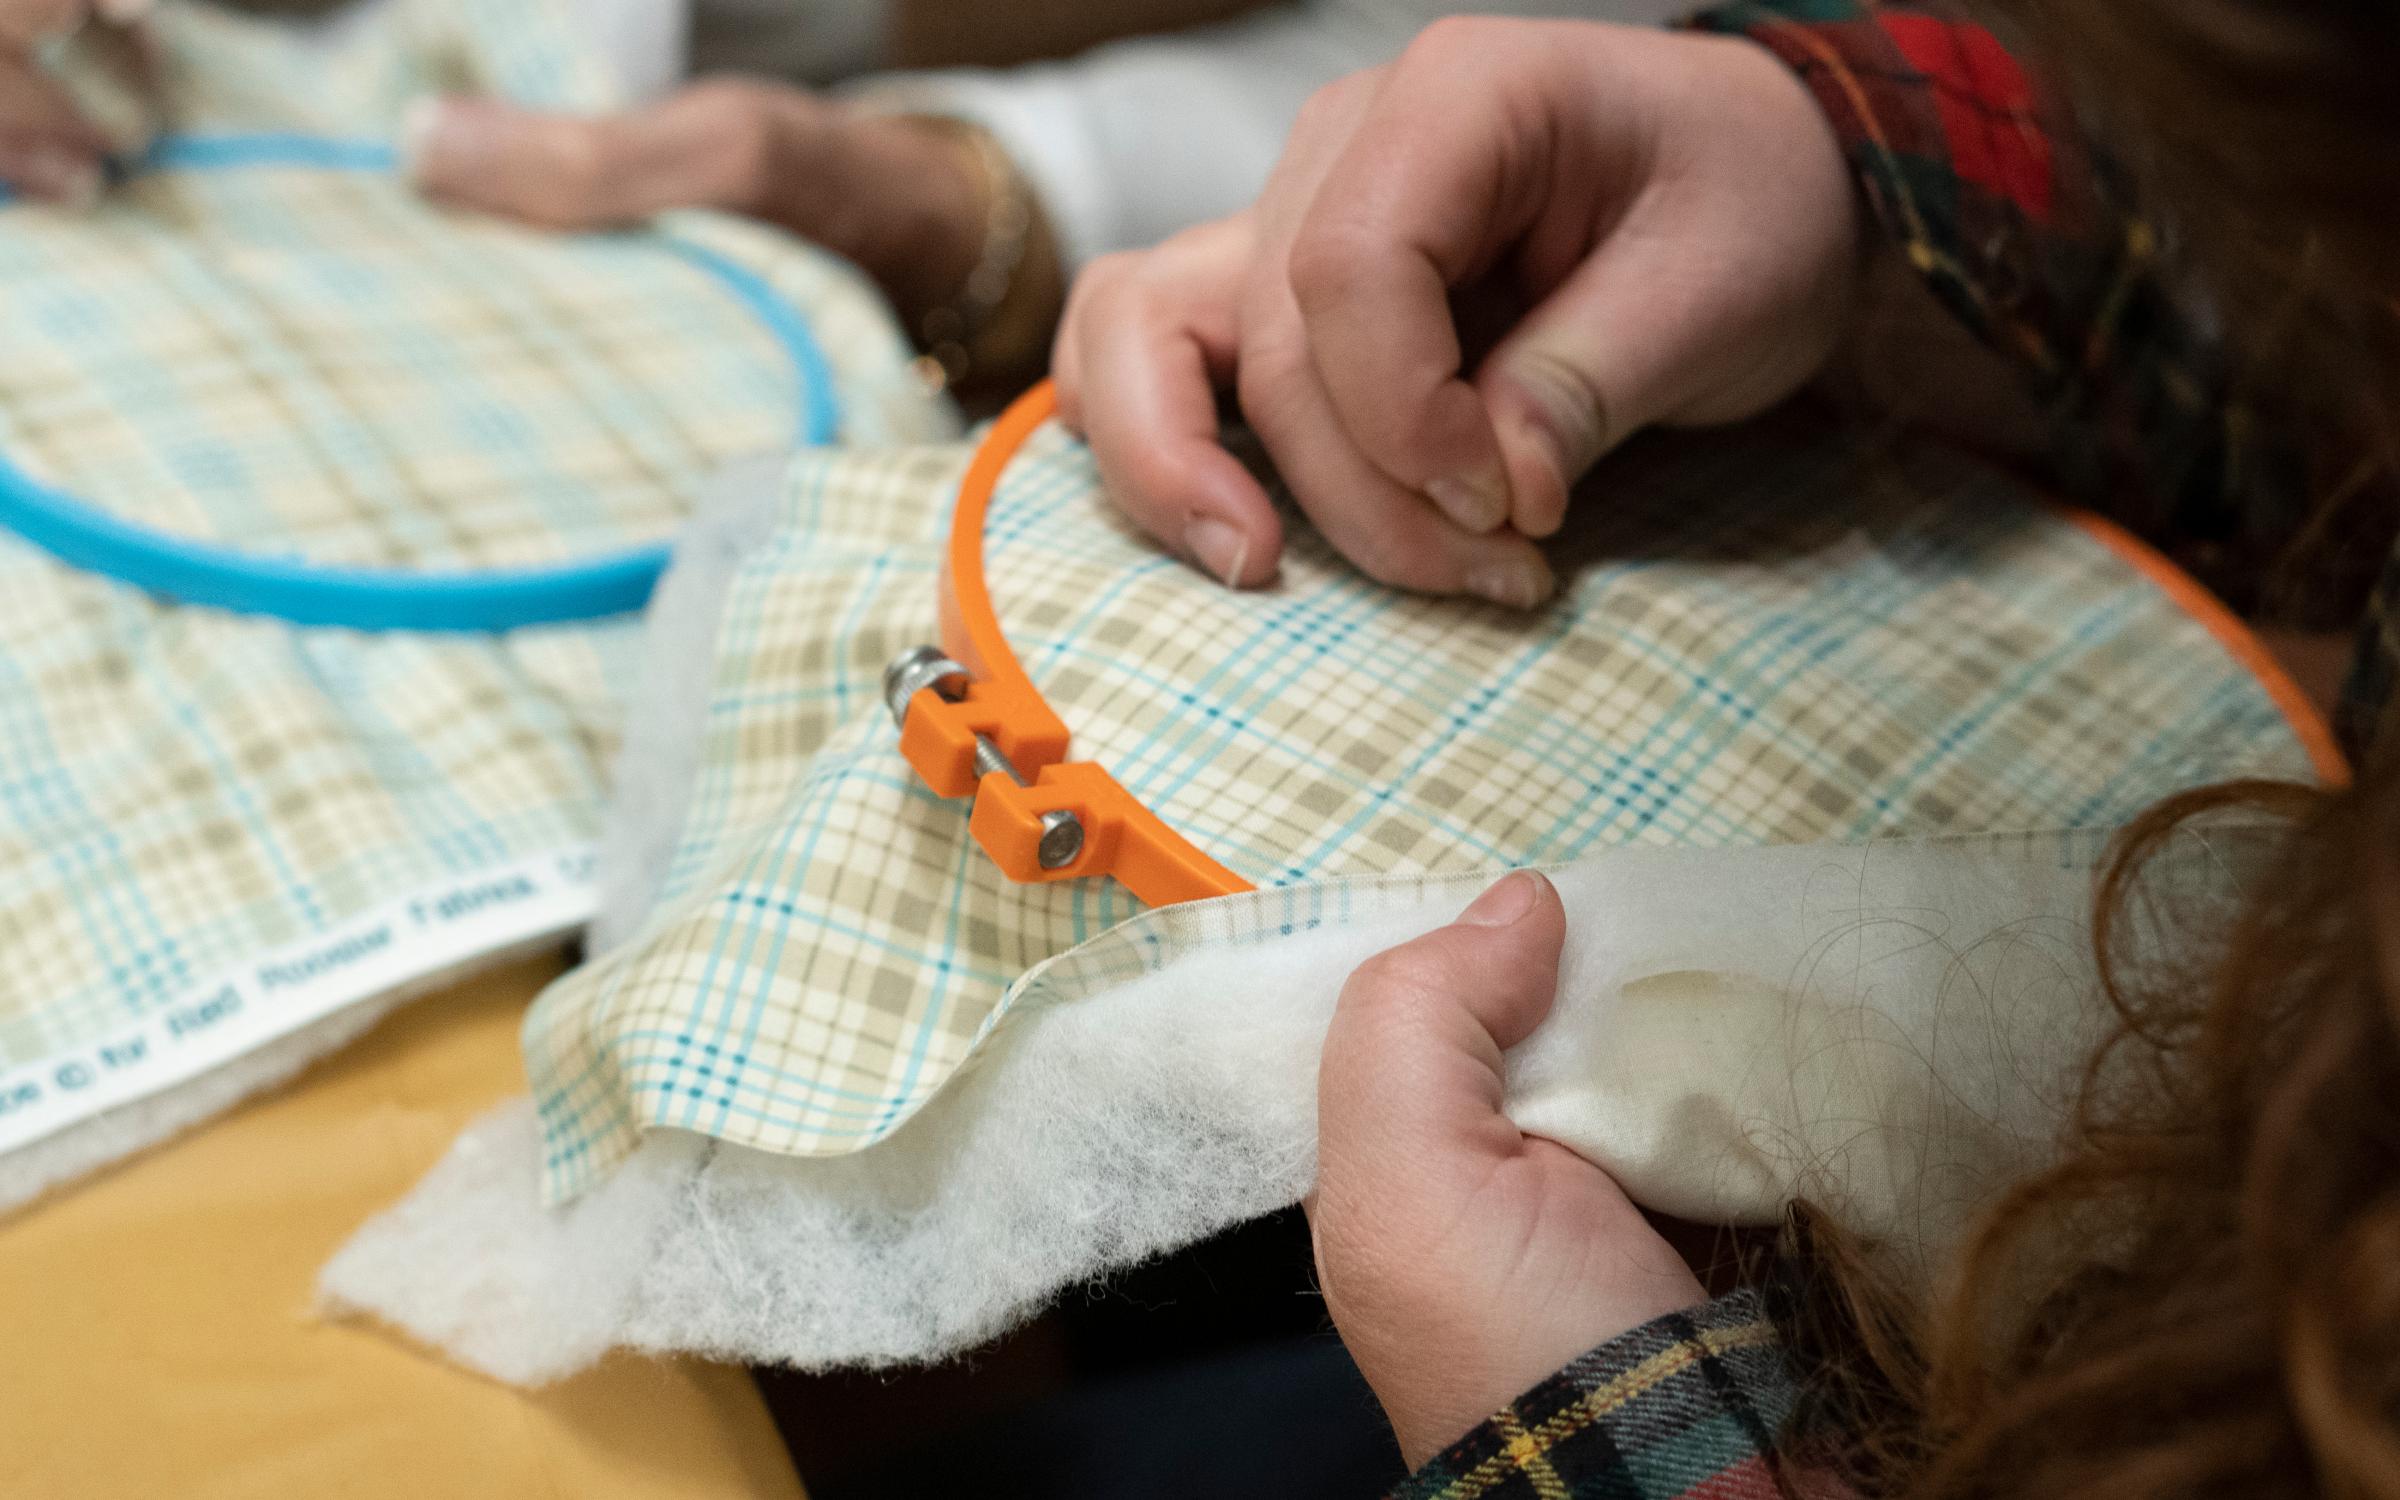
906, 202
1463, 1260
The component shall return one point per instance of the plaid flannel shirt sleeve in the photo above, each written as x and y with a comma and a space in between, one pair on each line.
1689, 1405
2031, 237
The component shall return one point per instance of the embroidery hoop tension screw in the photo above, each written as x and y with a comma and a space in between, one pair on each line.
921, 667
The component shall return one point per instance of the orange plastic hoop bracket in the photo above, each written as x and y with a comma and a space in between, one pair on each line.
988, 733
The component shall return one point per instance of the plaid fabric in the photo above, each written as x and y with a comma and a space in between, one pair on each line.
1767, 638
313, 362
2033, 239
1687, 1405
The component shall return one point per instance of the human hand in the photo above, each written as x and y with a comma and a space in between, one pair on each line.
48, 150
1660, 223
905, 202
1462, 1260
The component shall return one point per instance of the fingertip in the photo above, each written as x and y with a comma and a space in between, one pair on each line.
412, 142
1219, 546
1227, 525
1195, 498
59, 175
1548, 907
1522, 911
1512, 574
1511, 899
453, 146
1538, 486
1501, 905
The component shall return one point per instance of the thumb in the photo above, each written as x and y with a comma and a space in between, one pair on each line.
1461, 1260
1410, 1087
1568, 384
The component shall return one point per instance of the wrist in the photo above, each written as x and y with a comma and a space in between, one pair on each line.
986, 284
908, 205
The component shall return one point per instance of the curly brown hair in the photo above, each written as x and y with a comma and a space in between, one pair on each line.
2202, 1296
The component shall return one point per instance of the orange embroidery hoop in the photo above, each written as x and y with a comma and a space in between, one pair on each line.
974, 725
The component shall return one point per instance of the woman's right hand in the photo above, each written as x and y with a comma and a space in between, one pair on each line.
1664, 222
48, 150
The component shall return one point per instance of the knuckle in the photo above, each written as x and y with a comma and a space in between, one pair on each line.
578, 159
748, 153
1445, 41
1327, 105
1098, 285
1109, 269
1271, 372
1258, 386
1324, 257
737, 119
731, 95
1396, 980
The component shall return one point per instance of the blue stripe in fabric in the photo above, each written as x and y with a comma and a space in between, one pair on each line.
189, 571
196, 152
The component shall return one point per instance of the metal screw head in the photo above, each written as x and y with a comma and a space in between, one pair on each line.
1062, 840
912, 671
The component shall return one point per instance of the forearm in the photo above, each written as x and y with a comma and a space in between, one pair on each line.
1984, 183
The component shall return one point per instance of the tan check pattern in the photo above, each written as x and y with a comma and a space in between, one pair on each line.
315, 363
1765, 638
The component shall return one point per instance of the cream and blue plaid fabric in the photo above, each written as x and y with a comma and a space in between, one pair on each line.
313, 362
1766, 636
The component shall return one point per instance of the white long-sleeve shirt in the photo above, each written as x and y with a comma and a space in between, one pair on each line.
1135, 140
1125, 144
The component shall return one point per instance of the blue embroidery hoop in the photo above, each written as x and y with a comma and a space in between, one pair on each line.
362, 598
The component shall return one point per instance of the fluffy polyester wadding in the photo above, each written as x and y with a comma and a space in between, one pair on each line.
1888, 1028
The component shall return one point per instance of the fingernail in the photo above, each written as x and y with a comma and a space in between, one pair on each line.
1503, 904
1217, 547
1477, 504
1522, 583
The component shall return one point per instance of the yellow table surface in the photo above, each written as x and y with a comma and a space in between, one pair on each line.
156, 1338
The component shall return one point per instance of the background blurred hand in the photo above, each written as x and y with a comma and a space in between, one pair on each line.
1475, 271
904, 202
48, 150
1463, 1260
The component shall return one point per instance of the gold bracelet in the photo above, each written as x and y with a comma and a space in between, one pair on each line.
950, 335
